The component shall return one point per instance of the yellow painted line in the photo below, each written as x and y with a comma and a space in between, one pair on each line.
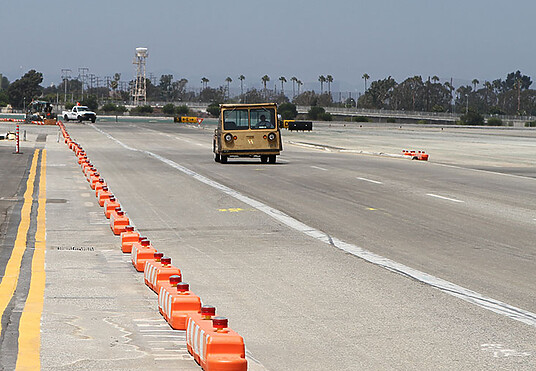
11, 275
29, 357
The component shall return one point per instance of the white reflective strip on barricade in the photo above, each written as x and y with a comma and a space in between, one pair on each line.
134, 255
169, 300
202, 345
160, 299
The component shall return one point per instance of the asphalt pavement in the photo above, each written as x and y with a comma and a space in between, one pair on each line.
328, 260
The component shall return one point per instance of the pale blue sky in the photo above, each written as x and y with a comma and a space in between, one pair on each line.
483, 39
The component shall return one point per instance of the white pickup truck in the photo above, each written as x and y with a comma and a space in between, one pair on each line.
79, 113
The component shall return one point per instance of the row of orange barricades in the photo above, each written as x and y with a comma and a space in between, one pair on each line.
416, 155
209, 339
11, 120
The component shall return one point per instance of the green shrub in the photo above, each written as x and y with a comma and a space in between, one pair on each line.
472, 118
494, 121
326, 116
169, 109
109, 107
315, 112
183, 110
391, 120
287, 111
142, 110
422, 122
361, 119
214, 109
69, 106
530, 124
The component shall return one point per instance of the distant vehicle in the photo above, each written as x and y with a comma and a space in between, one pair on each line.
40, 111
247, 130
79, 113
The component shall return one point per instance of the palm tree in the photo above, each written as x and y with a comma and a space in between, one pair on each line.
435, 79
329, 79
294, 80
475, 82
283, 80
241, 78
228, 80
265, 80
204, 82
365, 77
322, 80
299, 84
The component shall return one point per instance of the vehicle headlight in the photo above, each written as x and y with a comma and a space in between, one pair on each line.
271, 137
228, 137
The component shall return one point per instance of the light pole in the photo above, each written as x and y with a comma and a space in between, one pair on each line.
467, 104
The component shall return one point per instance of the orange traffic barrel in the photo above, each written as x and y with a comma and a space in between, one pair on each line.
141, 252
213, 345
110, 205
128, 237
118, 221
103, 195
98, 186
176, 301
159, 270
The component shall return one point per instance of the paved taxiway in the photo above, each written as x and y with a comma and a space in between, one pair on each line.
299, 302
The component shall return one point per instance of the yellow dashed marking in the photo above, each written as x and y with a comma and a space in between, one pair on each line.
232, 210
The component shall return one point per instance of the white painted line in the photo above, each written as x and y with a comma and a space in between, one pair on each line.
368, 180
319, 168
443, 198
447, 287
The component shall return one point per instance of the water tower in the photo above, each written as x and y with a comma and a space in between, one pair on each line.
139, 94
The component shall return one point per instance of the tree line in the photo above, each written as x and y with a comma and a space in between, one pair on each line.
511, 95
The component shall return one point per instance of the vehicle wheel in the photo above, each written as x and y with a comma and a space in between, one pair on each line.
217, 157
264, 159
79, 118
93, 120
271, 159
223, 159
66, 118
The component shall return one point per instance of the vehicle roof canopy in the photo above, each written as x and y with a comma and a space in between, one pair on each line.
246, 105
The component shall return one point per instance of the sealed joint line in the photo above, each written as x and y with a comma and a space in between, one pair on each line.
450, 288
12, 271
369, 180
444, 198
30, 322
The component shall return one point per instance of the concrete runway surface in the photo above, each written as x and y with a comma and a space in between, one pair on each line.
330, 259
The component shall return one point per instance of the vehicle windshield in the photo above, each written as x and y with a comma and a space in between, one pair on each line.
260, 118
236, 119
83, 108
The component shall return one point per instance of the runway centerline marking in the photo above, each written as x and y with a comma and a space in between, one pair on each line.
369, 180
319, 168
445, 286
444, 198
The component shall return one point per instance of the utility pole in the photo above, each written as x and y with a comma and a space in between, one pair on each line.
65, 75
82, 72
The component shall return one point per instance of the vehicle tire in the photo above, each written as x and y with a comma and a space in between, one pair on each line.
272, 159
79, 118
66, 118
264, 159
93, 120
217, 157
223, 159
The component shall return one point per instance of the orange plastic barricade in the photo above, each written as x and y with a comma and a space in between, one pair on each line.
90, 172
81, 158
94, 179
103, 195
128, 237
416, 155
118, 221
214, 346
110, 205
141, 252
175, 302
98, 186
158, 271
